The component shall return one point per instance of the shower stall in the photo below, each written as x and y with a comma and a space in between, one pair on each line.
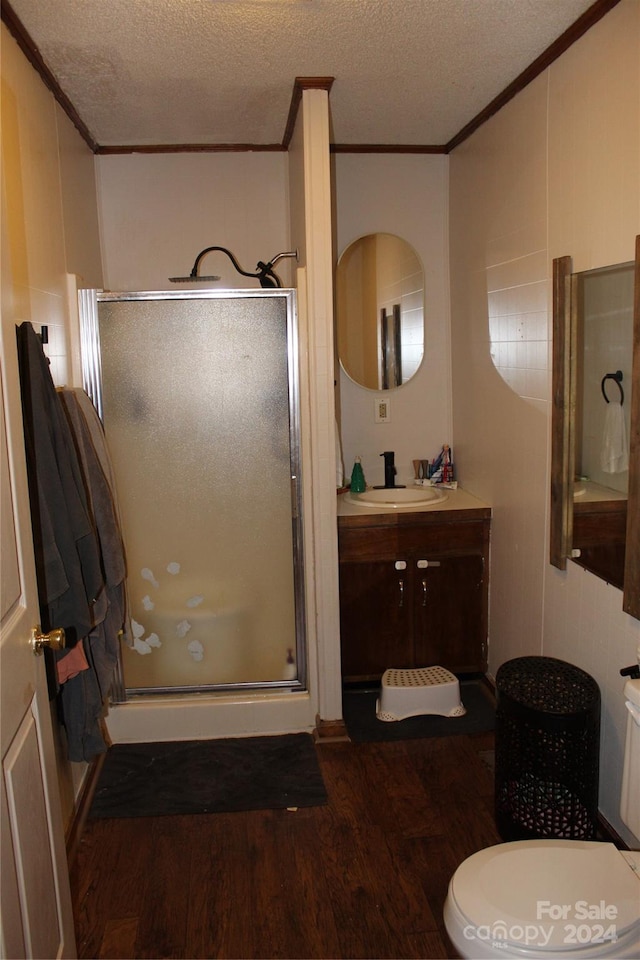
199, 396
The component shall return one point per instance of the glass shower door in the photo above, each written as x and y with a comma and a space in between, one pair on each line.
200, 407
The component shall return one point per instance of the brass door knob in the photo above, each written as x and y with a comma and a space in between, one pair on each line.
55, 640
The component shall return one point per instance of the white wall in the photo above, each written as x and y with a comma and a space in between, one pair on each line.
404, 195
49, 214
158, 211
49, 230
554, 173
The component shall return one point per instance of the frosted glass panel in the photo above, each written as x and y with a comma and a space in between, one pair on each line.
197, 418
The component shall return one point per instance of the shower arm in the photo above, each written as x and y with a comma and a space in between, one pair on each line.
265, 273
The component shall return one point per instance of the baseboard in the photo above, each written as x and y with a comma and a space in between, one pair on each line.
76, 827
330, 731
489, 683
609, 834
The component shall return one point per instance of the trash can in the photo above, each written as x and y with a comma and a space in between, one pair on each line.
547, 750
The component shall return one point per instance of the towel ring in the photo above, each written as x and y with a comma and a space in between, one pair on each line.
617, 377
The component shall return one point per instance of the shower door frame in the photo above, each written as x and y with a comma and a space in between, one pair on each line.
91, 362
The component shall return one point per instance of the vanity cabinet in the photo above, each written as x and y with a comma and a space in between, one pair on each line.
413, 592
599, 538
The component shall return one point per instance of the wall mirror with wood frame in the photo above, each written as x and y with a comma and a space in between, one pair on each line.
595, 463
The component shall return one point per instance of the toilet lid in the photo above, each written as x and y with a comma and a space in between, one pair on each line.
558, 894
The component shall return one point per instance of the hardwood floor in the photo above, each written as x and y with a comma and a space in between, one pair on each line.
363, 877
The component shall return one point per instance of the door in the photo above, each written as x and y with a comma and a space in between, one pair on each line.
375, 618
35, 905
449, 618
201, 414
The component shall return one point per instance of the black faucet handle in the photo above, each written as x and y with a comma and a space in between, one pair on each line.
390, 470
389, 466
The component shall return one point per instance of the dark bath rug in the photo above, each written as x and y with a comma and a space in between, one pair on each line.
209, 776
359, 708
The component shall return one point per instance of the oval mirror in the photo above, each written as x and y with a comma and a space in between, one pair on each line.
380, 311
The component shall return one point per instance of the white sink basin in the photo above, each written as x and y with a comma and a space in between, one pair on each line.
399, 497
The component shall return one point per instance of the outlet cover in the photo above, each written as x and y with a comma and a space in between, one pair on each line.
382, 410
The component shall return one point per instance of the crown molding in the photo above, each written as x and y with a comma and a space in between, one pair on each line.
299, 86
106, 150
33, 55
584, 23
387, 148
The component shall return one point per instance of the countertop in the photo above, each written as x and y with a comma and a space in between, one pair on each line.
587, 491
456, 501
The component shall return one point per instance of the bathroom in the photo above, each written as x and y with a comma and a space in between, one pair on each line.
533, 183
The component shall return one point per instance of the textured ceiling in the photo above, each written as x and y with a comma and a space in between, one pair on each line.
222, 71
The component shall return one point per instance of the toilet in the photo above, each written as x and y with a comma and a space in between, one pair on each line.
554, 898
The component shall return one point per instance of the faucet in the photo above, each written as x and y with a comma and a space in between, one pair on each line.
389, 472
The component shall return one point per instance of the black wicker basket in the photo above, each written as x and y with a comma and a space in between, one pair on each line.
547, 750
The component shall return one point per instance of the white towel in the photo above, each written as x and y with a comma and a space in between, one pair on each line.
614, 455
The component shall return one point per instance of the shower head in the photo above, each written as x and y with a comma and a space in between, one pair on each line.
264, 273
191, 279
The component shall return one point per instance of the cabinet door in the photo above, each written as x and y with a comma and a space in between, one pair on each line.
375, 618
449, 621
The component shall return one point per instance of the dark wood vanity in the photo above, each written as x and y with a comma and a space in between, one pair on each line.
599, 536
414, 590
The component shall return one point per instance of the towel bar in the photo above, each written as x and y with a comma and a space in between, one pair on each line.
617, 376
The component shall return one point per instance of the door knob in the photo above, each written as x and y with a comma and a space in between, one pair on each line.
55, 640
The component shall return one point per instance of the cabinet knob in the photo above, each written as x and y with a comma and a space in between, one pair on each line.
400, 564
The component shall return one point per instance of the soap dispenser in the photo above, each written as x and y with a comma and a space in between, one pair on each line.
358, 484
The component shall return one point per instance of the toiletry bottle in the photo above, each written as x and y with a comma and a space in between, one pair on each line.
290, 671
447, 466
358, 484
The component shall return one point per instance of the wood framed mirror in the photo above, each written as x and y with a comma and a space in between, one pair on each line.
596, 522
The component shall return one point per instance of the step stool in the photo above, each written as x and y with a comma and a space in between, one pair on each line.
425, 690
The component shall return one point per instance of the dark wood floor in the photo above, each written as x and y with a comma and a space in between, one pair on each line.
365, 876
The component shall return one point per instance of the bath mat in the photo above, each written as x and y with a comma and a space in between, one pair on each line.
359, 708
209, 776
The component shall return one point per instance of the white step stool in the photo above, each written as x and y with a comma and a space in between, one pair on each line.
425, 690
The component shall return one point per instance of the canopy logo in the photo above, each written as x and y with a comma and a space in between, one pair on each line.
573, 931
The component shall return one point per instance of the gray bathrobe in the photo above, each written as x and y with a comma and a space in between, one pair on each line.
74, 575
